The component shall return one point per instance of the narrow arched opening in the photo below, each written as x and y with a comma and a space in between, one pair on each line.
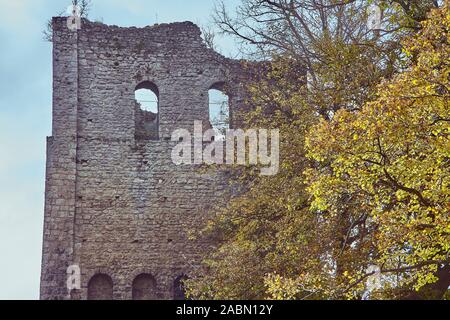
144, 287
219, 108
100, 287
179, 289
146, 96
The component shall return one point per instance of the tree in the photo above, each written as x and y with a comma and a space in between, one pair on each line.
269, 241
343, 57
393, 160
258, 233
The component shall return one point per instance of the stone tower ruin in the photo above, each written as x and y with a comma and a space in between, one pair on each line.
115, 203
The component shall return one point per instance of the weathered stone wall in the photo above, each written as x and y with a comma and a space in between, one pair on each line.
115, 204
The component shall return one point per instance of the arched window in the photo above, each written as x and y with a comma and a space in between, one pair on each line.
219, 110
146, 95
179, 292
144, 287
100, 287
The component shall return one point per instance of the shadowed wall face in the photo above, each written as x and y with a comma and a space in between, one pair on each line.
115, 203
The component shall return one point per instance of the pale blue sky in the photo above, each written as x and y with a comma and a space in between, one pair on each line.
25, 118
